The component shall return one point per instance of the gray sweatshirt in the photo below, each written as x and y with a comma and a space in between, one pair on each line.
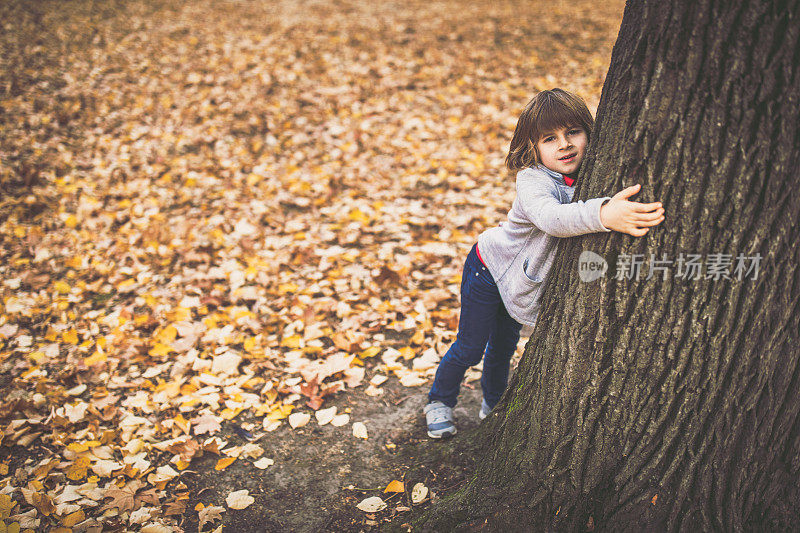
520, 251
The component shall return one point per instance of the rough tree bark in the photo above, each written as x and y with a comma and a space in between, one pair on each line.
667, 404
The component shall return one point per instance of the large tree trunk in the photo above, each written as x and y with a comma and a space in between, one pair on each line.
668, 404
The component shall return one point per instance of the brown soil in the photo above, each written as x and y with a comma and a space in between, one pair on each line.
321, 473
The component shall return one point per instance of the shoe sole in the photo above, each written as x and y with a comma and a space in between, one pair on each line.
441, 435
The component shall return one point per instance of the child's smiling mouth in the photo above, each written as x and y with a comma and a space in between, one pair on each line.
568, 158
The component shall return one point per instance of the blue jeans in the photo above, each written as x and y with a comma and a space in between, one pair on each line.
483, 327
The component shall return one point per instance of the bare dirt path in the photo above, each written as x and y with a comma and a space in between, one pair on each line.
321, 474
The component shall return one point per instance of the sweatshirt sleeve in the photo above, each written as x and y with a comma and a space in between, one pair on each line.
538, 200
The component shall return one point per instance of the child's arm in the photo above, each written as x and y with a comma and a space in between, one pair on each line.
540, 204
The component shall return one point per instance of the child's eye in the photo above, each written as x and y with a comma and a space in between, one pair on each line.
575, 131
548, 138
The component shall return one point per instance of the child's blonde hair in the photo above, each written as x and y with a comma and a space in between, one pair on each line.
546, 112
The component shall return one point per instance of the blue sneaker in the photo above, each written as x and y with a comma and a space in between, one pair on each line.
485, 409
439, 418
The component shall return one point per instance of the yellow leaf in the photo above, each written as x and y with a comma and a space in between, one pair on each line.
294, 341
250, 344
180, 313
242, 313
312, 349
77, 470
394, 486
252, 179
418, 337
372, 351
199, 507
96, 357
61, 287
261, 409
357, 215
150, 300
70, 336
31, 370
6, 506
160, 349
190, 402
167, 335
182, 423
73, 518
78, 447
286, 288
407, 352
71, 221
230, 414
224, 463
280, 413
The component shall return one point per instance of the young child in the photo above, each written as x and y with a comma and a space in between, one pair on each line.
506, 268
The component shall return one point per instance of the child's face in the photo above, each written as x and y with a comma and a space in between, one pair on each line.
562, 150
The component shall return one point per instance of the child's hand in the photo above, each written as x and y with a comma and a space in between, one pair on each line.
620, 214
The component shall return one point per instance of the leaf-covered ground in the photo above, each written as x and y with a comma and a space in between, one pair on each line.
223, 225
